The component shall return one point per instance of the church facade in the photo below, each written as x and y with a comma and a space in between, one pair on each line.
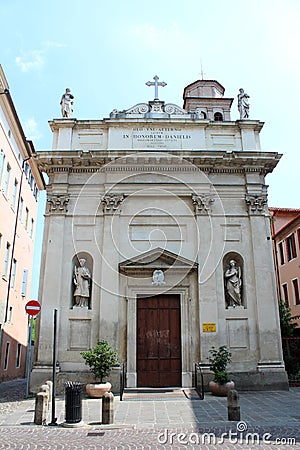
157, 239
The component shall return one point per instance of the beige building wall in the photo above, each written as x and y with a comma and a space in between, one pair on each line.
286, 238
20, 182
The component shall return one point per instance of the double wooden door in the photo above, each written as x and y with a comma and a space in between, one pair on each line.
158, 341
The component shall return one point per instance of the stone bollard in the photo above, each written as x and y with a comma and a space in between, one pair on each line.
108, 408
41, 408
233, 405
50, 385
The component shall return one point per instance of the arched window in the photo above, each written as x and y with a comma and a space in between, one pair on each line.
218, 117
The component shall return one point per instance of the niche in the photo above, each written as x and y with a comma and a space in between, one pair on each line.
82, 272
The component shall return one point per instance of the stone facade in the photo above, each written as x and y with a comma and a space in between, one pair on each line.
157, 200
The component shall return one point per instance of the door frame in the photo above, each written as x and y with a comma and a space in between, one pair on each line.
186, 332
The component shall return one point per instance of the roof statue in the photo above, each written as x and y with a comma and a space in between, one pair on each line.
66, 102
243, 104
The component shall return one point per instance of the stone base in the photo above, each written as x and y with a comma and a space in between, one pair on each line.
40, 374
255, 381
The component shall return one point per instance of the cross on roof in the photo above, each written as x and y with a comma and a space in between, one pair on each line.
156, 83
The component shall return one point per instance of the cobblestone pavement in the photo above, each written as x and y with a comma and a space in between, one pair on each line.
269, 420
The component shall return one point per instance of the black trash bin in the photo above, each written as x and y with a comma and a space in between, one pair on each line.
73, 401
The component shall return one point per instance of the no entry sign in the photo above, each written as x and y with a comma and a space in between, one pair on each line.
33, 307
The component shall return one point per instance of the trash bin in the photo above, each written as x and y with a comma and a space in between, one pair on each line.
73, 401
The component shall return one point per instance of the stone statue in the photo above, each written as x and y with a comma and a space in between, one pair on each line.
66, 102
233, 284
243, 104
158, 278
82, 277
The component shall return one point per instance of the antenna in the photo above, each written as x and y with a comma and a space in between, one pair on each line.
202, 73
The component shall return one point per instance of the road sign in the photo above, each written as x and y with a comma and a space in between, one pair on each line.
33, 307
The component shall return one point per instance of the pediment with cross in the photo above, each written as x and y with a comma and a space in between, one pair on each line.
155, 259
155, 108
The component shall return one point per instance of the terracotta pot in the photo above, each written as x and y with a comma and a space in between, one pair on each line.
220, 389
97, 390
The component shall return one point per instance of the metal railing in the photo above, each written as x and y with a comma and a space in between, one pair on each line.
122, 380
198, 381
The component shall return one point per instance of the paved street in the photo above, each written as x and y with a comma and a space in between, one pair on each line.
170, 420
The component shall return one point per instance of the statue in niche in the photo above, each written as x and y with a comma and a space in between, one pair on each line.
243, 104
158, 278
82, 277
233, 284
66, 102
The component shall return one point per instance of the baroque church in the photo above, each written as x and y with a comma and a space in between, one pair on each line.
157, 239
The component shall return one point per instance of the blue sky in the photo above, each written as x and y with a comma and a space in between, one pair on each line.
106, 51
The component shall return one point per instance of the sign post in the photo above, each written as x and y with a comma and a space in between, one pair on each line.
33, 307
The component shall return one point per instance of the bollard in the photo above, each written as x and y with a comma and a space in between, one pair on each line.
234, 413
41, 408
50, 385
108, 408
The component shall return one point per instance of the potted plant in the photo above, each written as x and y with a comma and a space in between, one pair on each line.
101, 360
218, 360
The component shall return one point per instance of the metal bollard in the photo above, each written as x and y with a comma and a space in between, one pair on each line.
233, 406
41, 408
108, 408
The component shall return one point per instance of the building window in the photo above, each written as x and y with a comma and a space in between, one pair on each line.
21, 208
9, 315
14, 196
298, 234
13, 273
31, 227
6, 258
6, 181
2, 157
218, 117
296, 291
281, 253
24, 282
26, 218
285, 294
6, 355
291, 247
18, 355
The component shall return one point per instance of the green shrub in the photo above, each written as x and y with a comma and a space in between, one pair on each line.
100, 359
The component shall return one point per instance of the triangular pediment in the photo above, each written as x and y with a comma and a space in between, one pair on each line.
157, 258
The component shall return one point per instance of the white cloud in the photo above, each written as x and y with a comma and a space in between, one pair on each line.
35, 59
32, 60
31, 129
155, 38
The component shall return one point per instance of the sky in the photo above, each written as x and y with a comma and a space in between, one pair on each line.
106, 52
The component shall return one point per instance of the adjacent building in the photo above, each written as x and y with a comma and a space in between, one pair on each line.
20, 182
286, 246
157, 239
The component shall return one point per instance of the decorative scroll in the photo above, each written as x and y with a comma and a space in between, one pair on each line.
111, 202
202, 203
58, 203
256, 203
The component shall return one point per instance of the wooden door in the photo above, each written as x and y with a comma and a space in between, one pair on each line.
158, 341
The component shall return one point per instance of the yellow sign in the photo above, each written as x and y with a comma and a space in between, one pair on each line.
209, 327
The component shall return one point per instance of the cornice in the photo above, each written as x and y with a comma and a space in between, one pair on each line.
72, 161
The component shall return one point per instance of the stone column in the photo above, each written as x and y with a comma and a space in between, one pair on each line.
208, 310
110, 295
269, 338
52, 268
